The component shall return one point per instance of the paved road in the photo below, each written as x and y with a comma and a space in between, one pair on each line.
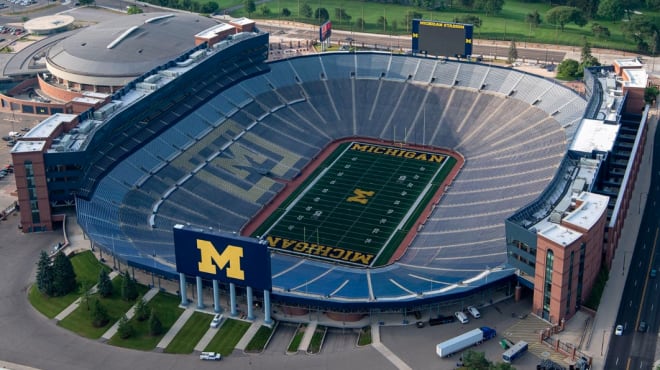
636, 350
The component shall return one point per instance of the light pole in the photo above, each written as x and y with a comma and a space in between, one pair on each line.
639, 209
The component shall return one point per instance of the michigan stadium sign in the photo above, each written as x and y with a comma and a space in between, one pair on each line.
224, 257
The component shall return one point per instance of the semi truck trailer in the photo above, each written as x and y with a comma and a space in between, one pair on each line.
465, 340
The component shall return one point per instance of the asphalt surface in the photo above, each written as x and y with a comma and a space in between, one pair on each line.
639, 302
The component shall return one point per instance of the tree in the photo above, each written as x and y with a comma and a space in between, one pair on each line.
155, 325
360, 23
475, 360
133, 10
340, 13
210, 7
286, 12
264, 9
250, 6
64, 278
641, 30
513, 52
600, 31
651, 94
489, 6
321, 14
469, 19
45, 274
586, 58
568, 69
501, 366
611, 9
533, 19
124, 328
100, 317
85, 293
141, 310
128, 288
562, 15
382, 22
306, 11
86, 2
104, 285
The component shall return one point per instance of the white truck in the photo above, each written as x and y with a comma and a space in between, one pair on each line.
472, 337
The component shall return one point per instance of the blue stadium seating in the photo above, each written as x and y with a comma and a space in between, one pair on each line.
512, 127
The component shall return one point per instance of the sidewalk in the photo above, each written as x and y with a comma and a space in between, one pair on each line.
597, 341
307, 338
380, 347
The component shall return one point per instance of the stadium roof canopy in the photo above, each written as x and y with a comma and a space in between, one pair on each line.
117, 51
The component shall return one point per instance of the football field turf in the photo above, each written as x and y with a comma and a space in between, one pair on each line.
358, 205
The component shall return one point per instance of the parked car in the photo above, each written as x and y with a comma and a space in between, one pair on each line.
618, 331
474, 312
217, 319
642, 327
461, 317
653, 273
210, 356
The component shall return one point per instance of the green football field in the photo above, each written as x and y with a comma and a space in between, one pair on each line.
358, 205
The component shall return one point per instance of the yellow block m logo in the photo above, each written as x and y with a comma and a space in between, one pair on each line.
361, 196
210, 258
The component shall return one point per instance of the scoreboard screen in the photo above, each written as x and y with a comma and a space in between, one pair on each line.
441, 38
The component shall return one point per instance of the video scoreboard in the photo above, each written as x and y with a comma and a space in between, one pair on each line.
441, 38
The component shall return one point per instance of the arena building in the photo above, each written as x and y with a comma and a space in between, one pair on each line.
212, 136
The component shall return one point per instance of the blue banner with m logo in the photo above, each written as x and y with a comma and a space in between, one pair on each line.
225, 257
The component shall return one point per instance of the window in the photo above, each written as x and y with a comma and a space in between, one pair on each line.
547, 286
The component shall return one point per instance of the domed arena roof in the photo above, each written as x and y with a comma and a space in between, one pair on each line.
117, 51
49, 24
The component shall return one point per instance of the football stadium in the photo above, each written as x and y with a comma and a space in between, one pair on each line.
247, 141
377, 181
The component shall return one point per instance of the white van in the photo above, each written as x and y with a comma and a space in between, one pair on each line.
461, 317
474, 312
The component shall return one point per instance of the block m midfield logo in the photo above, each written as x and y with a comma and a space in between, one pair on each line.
223, 257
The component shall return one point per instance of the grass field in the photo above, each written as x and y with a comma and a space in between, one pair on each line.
191, 332
166, 307
358, 205
509, 24
228, 336
80, 321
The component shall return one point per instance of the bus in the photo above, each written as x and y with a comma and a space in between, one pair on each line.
514, 352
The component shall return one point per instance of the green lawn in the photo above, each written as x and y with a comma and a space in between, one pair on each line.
79, 321
168, 311
365, 336
509, 24
228, 336
191, 332
297, 338
258, 342
317, 339
87, 269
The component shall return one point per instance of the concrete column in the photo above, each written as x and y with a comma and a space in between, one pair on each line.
250, 304
267, 318
200, 293
182, 289
216, 297
232, 299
